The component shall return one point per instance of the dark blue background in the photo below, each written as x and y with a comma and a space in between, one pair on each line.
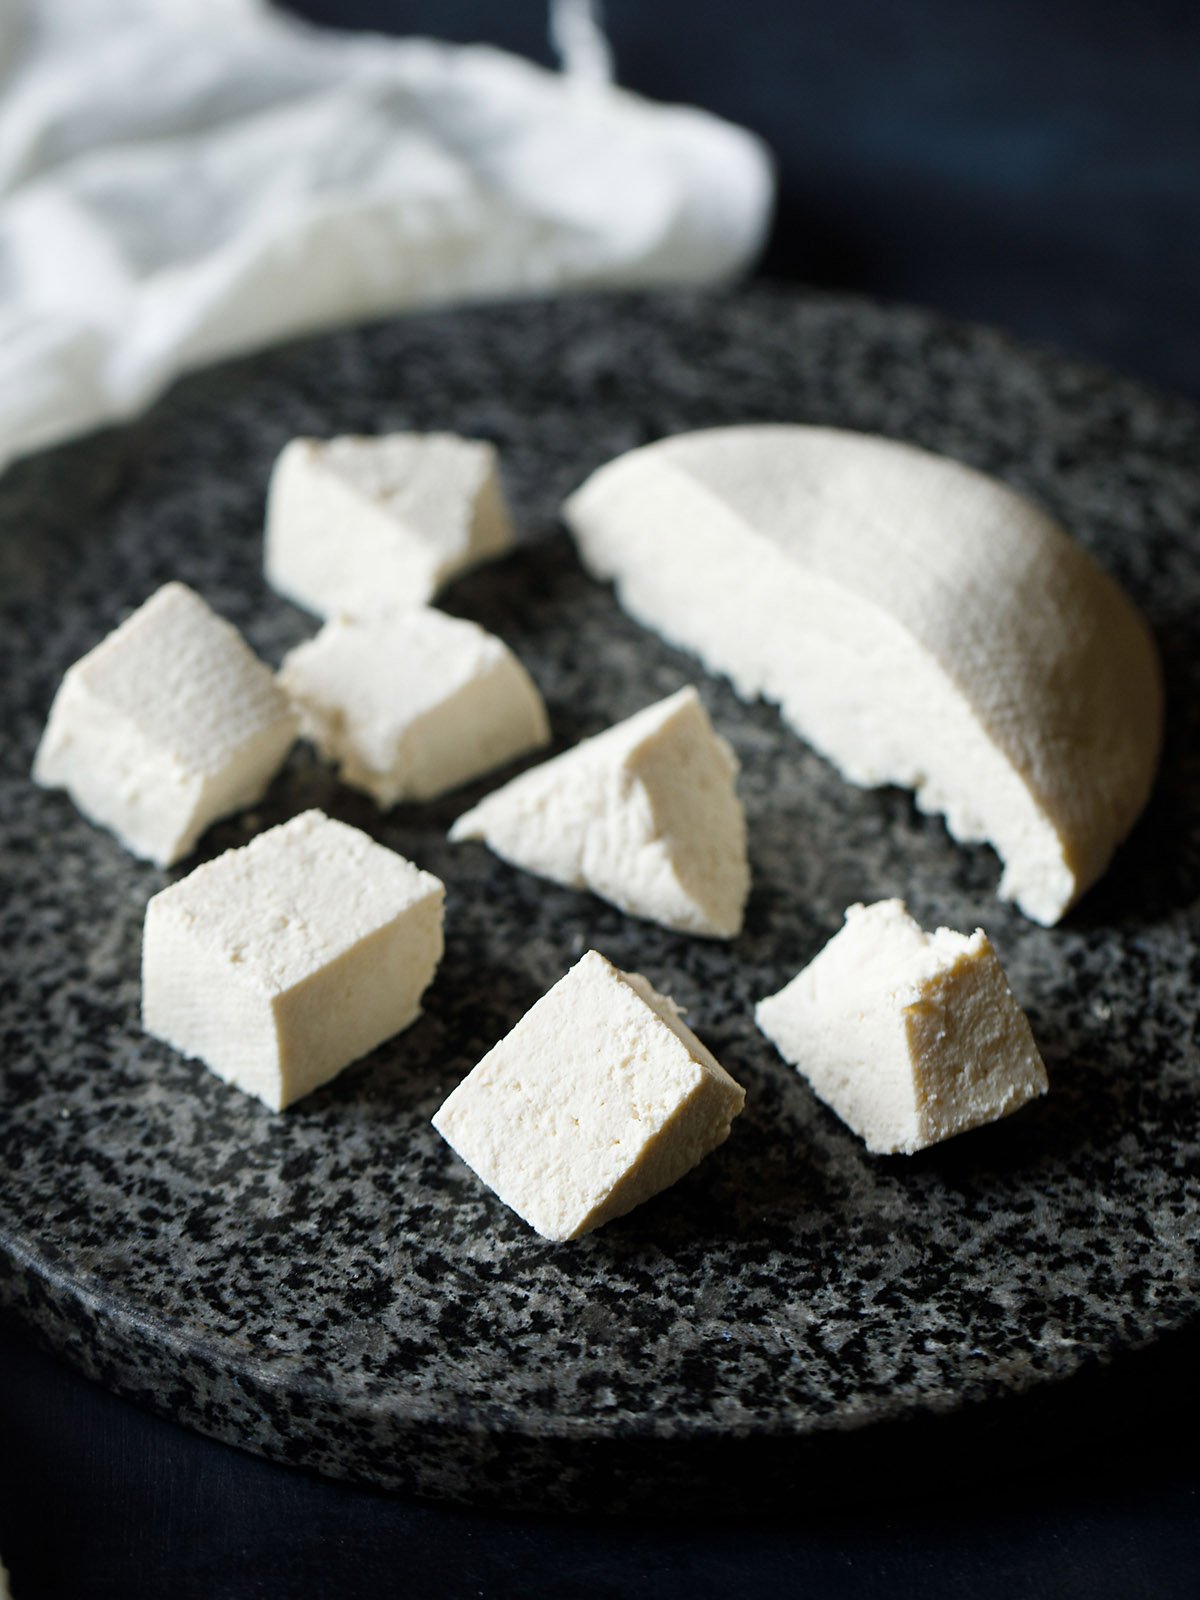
1032, 165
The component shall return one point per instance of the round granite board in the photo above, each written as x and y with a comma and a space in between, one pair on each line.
331, 1286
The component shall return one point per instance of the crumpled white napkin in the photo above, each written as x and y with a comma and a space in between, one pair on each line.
181, 180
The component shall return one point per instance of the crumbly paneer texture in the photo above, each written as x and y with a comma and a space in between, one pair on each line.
279, 963
599, 1098
360, 526
917, 622
645, 815
414, 704
169, 723
910, 1037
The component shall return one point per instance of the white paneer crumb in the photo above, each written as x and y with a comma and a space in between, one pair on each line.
599, 1098
169, 723
646, 815
279, 963
414, 704
917, 622
358, 526
910, 1037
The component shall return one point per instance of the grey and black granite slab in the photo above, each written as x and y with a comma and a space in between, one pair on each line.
331, 1286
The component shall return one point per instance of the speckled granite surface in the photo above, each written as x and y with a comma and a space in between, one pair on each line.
330, 1286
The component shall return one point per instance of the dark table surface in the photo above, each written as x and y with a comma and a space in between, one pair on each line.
1035, 167
1089, 1489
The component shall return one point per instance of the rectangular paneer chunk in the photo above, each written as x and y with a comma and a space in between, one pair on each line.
599, 1098
413, 704
908, 1036
280, 963
357, 526
168, 724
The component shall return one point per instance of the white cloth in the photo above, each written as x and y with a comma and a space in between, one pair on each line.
181, 180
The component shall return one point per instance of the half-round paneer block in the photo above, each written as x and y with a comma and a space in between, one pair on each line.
645, 815
169, 723
357, 526
600, 1097
916, 621
279, 963
910, 1037
413, 704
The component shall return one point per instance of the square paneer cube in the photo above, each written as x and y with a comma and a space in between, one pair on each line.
598, 1098
413, 704
357, 526
908, 1036
279, 963
168, 724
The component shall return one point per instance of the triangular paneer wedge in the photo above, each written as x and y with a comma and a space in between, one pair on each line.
360, 526
413, 704
916, 621
645, 815
910, 1037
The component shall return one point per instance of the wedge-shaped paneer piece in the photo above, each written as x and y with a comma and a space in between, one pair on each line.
279, 963
599, 1098
358, 526
645, 815
909, 1036
413, 704
918, 622
168, 724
